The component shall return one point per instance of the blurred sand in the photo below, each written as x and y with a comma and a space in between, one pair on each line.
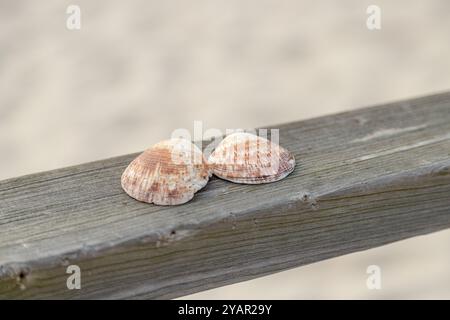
138, 70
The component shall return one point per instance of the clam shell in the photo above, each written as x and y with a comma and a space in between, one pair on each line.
169, 173
250, 159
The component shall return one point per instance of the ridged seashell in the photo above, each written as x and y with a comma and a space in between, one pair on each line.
168, 173
247, 158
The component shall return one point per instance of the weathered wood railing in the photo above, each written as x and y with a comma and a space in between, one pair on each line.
364, 178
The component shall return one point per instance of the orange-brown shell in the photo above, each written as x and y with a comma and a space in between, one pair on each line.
169, 173
247, 158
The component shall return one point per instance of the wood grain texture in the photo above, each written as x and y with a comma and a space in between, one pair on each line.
363, 179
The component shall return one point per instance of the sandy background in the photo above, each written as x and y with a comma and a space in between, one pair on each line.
137, 70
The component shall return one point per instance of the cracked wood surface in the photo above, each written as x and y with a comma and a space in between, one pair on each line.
363, 179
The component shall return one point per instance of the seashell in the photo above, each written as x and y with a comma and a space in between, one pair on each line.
169, 173
250, 159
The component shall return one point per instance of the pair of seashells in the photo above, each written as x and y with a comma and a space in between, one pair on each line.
172, 171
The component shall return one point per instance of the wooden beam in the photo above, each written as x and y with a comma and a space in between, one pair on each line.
364, 179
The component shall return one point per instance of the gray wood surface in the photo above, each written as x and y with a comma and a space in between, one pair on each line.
363, 179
